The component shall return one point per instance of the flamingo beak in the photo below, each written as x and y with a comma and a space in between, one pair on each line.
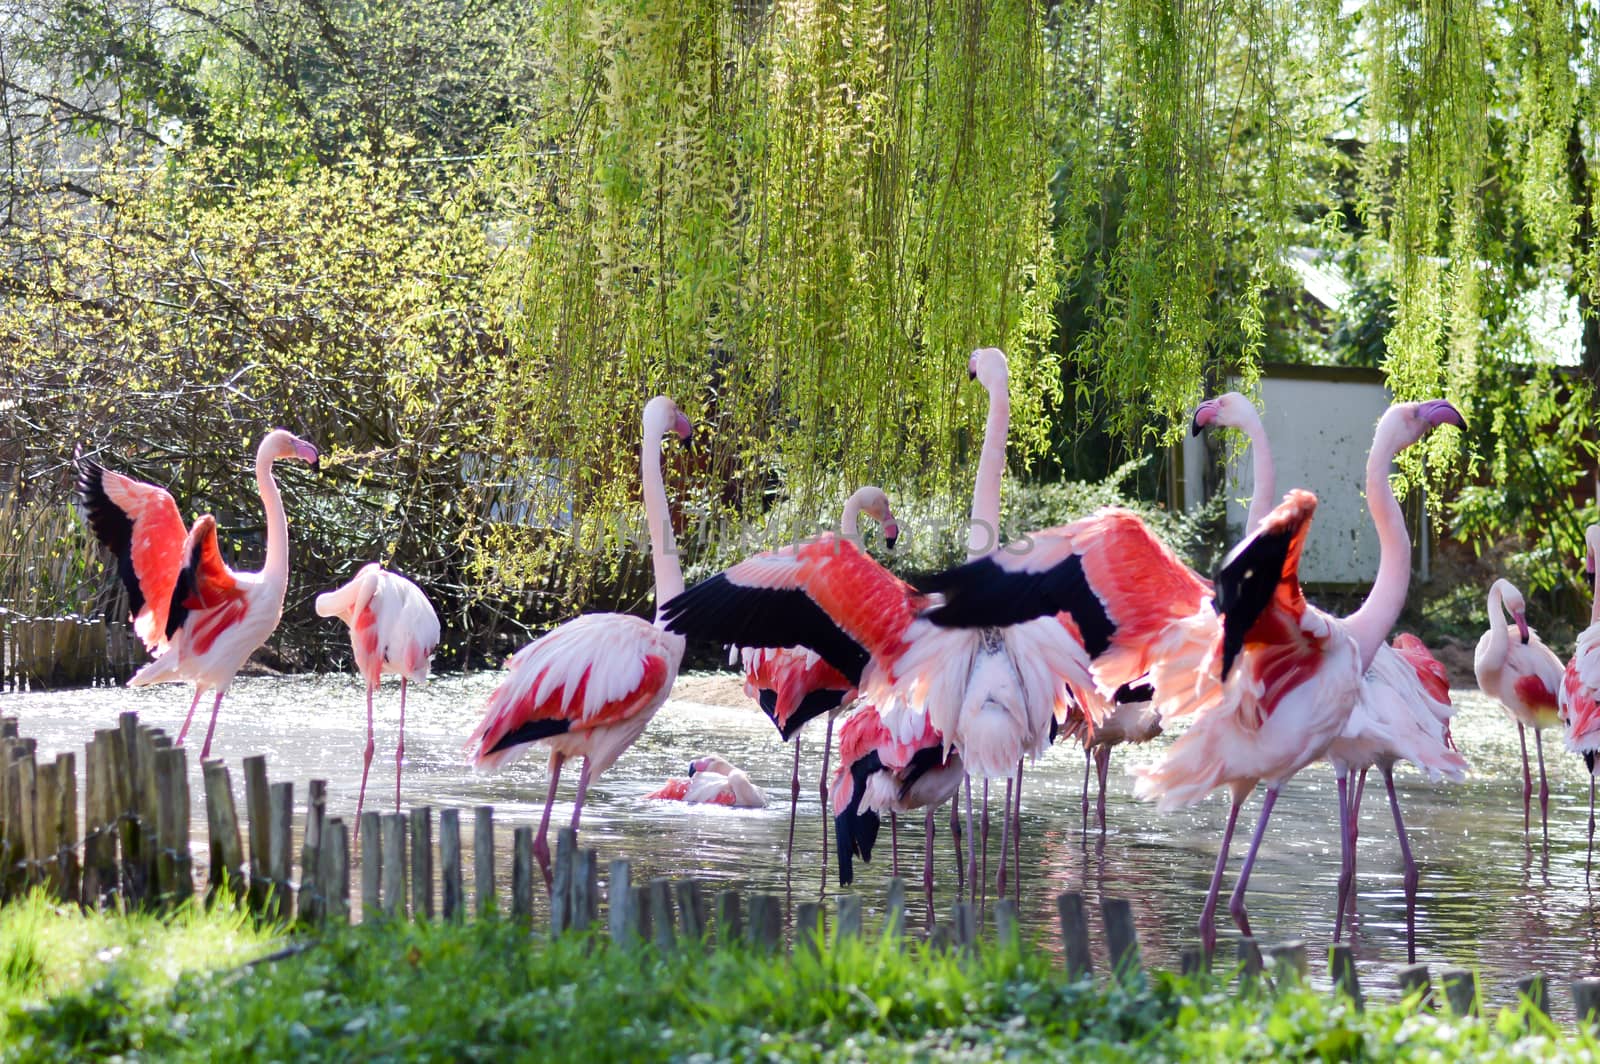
1438, 412
1204, 414
694, 766
683, 427
1522, 625
307, 452
891, 532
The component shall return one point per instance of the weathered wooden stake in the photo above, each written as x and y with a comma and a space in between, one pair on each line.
67, 825
222, 825
1412, 978
333, 852
894, 912
258, 809
766, 923
964, 925
1461, 990
1342, 968
1005, 924
48, 819
661, 914
450, 890
585, 906
808, 927
1249, 960
849, 925
1122, 938
367, 829
730, 923
483, 859
1535, 990
622, 914
1289, 961
1586, 1001
121, 796
1192, 960
280, 850
641, 907
392, 832
422, 863
522, 875
561, 881
307, 908
1075, 934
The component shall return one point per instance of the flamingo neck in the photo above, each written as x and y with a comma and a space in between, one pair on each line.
1499, 637
1263, 492
850, 520
983, 535
1372, 623
277, 563
1594, 610
663, 547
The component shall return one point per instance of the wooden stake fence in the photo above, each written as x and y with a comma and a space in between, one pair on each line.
135, 852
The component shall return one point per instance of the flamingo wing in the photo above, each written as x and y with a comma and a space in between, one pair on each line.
140, 524
1258, 587
793, 686
826, 595
1430, 672
207, 599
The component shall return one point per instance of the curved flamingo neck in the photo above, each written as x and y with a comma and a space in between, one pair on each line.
983, 533
1263, 492
276, 566
1372, 623
1499, 636
663, 546
1594, 610
850, 520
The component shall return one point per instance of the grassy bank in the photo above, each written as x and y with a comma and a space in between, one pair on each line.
80, 987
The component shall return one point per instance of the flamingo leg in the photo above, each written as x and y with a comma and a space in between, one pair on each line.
927, 860
794, 807
1236, 902
1005, 844
183, 731
1355, 821
1410, 863
1527, 777
205, 751
583, 792
955, 837
1102, 764
1347, 864
1588, 863
366, 764
1208, 912
1088, 759
982, 884
1016, 840
827, 755
972, 846
1544, 788
894, 844
400, 747
541, 845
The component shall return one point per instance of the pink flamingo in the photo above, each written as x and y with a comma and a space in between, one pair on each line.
1524, 676
879, 774
1404, 710
794, 686
713, 781
394, 630
1579, 700
201, 619
589, 687
1142, 615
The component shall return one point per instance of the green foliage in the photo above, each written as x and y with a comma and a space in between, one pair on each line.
485, 990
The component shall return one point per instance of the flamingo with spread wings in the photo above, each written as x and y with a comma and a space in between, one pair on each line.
201, 619
588, 688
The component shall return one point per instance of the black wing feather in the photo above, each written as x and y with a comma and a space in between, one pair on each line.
112, 527
855, 832
813, 705
531, 732
725, 612
1245, 584
983, 594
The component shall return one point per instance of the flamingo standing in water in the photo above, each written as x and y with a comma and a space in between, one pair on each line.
1579, 700
201, 619
1524, 676
394, 630
1404, 710
795, 686
713, 781
589, 687
1143, 615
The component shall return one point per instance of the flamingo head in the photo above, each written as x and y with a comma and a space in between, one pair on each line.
988, 366
661, 416
710, 763
281, 443
875, 504
1436, 412
1591, 549
1230, 410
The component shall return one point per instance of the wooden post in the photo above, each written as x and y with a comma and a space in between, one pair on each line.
8, 816
561, 882
894, 912
1413, 978
623, 917
522, 875
371, 864
422, 863
1122, 939
964, 925
808, 927
67, 825
25, 785
1342, 967
1586, 1000
172, 823
451, 892
47, 850
1461, 990
1005, 924
1535, 990
1192, 960
258, 810
222, 825
1289, 961
584, 910
157, 890
94, 833
766, 923
692, 910
1075, 934
483, 859
307, 909
730, 927
1249, 960
641, 906
941, 938
280, 849
393, 846
849, 925
121, 797
661, 914
333, 855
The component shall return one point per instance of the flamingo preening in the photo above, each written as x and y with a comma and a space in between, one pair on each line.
589, 687
1143, 615
1404, 708
393, 630
713, 781
795, 686
201, 619
1524, 676
1579, 700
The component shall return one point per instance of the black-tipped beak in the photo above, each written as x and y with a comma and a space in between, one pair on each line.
1588, 759
890, 541
972, 374
691, 770
316, 465
1195, 428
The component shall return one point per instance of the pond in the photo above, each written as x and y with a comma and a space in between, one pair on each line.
1488, 900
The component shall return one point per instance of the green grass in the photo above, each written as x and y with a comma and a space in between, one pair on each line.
484, 991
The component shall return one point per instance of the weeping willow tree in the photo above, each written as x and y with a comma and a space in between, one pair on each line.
798, 220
